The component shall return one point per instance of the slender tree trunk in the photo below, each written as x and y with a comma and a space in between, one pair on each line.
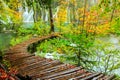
39, 15
34, 16
85, 3
112, 15
73, 12
78, 56
43, 14
46, 16
51, 19
84, 15
68, 12
34, 10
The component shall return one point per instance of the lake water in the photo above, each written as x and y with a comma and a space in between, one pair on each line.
5, 40
113, 45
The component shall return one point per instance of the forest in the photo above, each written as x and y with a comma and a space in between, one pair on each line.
88, 32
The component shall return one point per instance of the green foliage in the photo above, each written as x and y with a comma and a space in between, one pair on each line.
81, 50
38, 28
42, 3
19, 39
117, 77
81, 39
92, 55
115, 27
109, 5
10, 18
45, 3
70, 46
58, 45
106, 56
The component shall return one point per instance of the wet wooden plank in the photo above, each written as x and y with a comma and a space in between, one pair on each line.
62, 73
110, 77
16, 56
31, 64
53, 70
51, 64
98, 77
28, 61
28, 68
69, 76
91, 76
81, 76
17, 61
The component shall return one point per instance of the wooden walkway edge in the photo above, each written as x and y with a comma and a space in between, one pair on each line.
46, 69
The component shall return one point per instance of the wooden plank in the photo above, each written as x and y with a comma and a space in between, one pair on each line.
61, 73
69, 76
98, 77
81, 76
110, 77
29, 61
48, 70
38, 67
17, 61
17, 56
59, 68
91, 76
32, 67
53, 63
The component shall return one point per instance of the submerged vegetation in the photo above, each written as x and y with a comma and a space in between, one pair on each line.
90, 30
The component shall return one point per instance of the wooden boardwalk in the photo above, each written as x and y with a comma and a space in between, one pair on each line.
46, 69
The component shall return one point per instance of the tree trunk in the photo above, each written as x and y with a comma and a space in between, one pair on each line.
84, 16
51, 19
85, 3
34, 16
73, 13
34, 10
43, 14
68, 11
112, 15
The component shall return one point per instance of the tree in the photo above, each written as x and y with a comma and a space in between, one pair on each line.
44, 4
110, 6
9, 15
47, 4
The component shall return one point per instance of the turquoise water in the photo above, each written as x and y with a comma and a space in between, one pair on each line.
5, 40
